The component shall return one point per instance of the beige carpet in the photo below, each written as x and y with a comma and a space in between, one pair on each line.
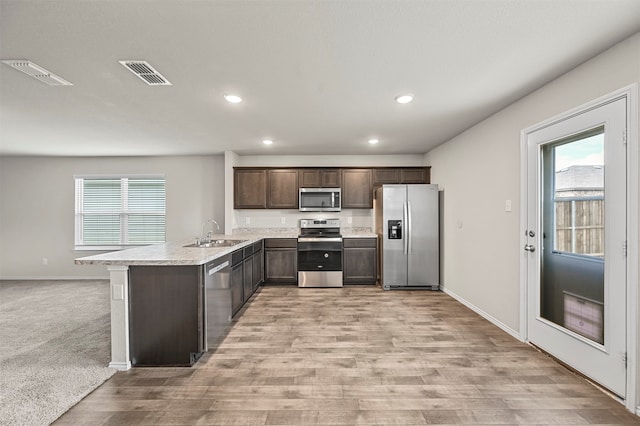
54, 347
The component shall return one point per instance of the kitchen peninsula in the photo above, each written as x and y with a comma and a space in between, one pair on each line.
169, 270
158, 290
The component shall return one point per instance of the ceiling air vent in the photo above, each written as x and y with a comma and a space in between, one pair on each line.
37, 72
146, 72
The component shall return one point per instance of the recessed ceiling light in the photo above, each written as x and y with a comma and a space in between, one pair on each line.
404, 99
373, 141
267, 141
234, 99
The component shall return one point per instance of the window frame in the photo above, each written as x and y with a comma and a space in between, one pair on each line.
124, 213
549, 160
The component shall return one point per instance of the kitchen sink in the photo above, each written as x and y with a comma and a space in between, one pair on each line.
217, 243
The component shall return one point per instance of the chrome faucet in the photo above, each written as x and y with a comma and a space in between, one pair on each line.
207, 238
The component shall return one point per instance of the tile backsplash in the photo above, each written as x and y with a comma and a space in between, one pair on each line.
288, 219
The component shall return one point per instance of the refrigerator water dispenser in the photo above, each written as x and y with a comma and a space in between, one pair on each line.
395, 229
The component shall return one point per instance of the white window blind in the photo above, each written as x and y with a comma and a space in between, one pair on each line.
113, 212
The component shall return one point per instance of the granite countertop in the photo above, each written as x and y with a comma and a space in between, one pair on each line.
172, 253
175, 253
358, 234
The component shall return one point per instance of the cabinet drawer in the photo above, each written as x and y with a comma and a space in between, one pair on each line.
236, 257
281, 243
359, 242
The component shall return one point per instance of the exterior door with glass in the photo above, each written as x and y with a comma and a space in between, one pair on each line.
575, 241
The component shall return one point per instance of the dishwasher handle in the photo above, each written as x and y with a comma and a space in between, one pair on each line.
217, 268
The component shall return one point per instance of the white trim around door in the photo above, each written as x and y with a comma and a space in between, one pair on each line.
630, 95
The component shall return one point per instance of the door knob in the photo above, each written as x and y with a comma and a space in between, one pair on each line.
530, 247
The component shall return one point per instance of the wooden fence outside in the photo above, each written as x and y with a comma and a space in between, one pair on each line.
580, 225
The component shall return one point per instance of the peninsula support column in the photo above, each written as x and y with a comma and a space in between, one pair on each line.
119, 283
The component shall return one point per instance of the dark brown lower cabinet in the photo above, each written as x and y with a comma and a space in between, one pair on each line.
248, 273
258, 265
359, 260
237, 281
166, 315
280, 261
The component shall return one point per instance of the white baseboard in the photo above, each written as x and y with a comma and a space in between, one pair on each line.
122, 366
484, 315
56, 278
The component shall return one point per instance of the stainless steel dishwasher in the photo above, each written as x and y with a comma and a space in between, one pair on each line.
217, 297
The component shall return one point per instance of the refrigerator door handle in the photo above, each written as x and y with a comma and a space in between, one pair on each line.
409, 227
405, 224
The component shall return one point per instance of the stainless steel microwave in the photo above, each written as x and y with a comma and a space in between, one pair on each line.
320, 199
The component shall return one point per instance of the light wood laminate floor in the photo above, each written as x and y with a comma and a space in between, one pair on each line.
355, 356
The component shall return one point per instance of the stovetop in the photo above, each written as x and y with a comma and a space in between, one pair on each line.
320, 228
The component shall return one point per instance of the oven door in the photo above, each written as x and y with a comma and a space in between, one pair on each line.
319, 256
320, 264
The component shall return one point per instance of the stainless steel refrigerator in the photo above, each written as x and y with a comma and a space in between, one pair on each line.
406, 219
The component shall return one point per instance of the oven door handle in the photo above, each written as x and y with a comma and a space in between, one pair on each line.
318, 239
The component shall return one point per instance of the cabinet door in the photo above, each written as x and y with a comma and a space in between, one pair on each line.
330, 178
258, 269
281, 266
359, 265
237, 283
414, 175
356, 189
319, 178
309, 178
248, 277
250, 189
157, 338
385, 176
283, 189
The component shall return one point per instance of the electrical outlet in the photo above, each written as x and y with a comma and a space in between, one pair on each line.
349, 219
507, 205
247, 221
45, 261
117, 292
283, 220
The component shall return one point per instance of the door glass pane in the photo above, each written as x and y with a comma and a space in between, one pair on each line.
572, 290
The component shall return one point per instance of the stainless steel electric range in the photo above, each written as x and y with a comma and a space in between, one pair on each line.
320, 253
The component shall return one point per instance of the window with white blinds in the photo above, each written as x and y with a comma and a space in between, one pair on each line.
114, 212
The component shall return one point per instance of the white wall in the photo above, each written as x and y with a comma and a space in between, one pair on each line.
479, 169
351, 218
409, 160
37, 207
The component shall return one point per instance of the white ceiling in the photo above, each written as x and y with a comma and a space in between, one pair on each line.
318, 77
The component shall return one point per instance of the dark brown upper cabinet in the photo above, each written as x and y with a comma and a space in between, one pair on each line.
277, 188
415, 175
396, 175
283, 189
385, 176
319, 178
357, 192
250, 189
